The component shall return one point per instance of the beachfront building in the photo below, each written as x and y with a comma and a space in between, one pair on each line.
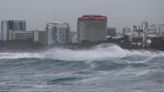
41, 37
137, 37
22, 35
8, 26
58, 33
92, 28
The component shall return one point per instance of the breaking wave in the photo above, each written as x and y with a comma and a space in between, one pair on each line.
99, 52
60, 69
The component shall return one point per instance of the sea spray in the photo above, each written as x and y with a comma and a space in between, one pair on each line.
99, 52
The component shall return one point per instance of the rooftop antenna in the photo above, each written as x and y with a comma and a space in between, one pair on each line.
54, 17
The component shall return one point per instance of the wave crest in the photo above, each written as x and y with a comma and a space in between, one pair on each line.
99, 52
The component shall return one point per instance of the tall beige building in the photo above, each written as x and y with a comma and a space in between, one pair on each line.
92, 28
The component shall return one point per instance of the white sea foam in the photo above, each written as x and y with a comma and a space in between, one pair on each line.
89, 54
18, 55
99, 52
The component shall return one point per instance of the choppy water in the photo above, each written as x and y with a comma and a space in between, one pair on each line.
105, 68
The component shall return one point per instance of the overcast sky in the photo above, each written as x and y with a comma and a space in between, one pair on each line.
119, 12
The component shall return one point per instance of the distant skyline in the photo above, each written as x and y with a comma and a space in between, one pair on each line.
119, 12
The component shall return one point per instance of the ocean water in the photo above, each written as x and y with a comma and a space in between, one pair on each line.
104, 68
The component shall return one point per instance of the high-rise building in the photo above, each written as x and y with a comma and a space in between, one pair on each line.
8, 26
92, 28
58, 33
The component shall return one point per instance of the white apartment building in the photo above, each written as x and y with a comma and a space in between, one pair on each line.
58, 33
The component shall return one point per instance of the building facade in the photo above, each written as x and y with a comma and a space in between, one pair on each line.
152, 29
145, 26
58, 33
161, 29
7, 26
137, 37
92, 28
41, 37
22, 35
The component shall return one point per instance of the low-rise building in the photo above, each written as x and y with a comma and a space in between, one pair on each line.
126, 30
22, 35
152, 29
